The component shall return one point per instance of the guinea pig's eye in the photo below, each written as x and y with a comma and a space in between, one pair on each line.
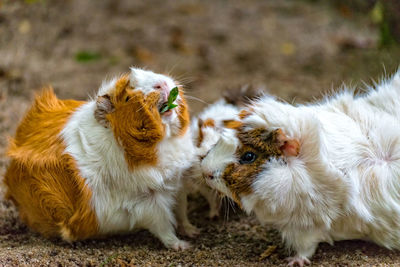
247, 158
127, 98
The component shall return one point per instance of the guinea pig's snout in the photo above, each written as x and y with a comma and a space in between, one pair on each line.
163, 88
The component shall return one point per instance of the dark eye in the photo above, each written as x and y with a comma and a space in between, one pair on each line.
247, 158
127, 98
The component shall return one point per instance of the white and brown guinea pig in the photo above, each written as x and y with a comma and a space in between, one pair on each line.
206, 130
318, 173
109, 165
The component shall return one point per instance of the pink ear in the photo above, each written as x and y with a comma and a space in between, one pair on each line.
289, 147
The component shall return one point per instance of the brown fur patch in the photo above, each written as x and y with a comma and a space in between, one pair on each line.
43, 182
265, 141
239, 177
200, 136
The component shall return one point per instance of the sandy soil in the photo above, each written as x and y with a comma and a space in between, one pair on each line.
299, 50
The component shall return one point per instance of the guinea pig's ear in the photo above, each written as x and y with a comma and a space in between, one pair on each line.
104, 106
289, 147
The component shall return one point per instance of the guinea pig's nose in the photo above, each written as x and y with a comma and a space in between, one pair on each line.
161, 86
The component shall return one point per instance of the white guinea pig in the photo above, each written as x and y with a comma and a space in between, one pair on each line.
318, 173
110, 165
206, 130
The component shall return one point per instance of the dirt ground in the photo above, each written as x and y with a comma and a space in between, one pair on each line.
298, 50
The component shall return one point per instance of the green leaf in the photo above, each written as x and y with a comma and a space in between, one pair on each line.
173, 95
164, 109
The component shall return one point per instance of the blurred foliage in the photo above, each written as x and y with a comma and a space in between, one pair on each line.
377, 13
34, 1
384, 13
87, 56
391, 23
355, 5
378, 17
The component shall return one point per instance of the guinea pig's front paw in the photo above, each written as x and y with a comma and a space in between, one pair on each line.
189, 230
180, 245
214, 214
298, 261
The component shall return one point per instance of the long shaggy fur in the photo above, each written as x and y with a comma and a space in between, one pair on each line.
344, 182
110, 165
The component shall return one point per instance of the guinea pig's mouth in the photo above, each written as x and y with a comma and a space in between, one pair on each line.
166, 105
163, 109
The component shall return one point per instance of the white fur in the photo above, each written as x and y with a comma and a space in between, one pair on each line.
193, 179
219, 112
345, 182
125, 200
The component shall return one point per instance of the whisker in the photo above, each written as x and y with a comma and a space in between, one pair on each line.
232, 205
196, 98
186, 79
226, 210
169, 72
140, 108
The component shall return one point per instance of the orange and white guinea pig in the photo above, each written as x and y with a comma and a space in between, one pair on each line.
318, 173
110, 165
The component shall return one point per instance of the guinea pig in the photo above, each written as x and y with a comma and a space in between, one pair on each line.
109, 165
206, 129
318, 173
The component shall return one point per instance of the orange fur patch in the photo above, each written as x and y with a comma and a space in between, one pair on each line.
232, 124
137, 126
209, 123
43, 182
183, 114
244, 113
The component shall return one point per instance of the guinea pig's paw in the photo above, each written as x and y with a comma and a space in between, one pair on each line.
180, 245
213, 214
137, 97
153, 99
298, 261
189, 230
